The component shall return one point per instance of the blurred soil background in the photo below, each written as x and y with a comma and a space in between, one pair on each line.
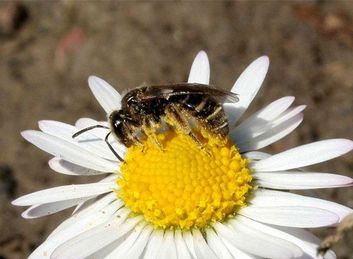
49, 48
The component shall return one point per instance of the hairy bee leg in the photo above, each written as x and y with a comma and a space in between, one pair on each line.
148, 128
175, 116
199, 143
138, 141
131, 136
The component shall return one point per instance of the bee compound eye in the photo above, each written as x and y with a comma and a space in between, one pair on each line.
117, 123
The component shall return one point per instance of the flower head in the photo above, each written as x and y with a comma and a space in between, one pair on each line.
216, 198
181, 186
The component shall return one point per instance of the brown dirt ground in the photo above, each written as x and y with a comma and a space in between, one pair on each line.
48, 49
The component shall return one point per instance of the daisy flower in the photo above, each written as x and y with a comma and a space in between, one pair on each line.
181, 202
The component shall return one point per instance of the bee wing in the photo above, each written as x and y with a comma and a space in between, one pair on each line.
166, 91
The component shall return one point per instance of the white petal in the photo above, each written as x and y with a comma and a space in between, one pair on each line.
256, 155
306, 240
86, 203
182, 249
41, 210
255, 241
154, 244
105, 94
270, 198
168, 247
106, 250
86, 213
260, 118
86, 140
200, 69
101, 245
110, 178
303, 239
291, 216
308, 154
301, 180
92, 240
249, 83
64, 233
236, 253
137, 248
290, 113
267, 127
66, 192
217, 245
202, 250
68, 151
68, 168
272, 135
189, 241
121, 250
252, 227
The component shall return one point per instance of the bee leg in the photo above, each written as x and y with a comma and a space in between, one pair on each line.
176, 117
138, 141
131, 136
149, 128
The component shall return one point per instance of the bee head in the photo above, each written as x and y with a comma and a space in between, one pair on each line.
118, 121
116, 118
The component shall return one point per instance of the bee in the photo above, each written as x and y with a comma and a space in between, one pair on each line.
144, 109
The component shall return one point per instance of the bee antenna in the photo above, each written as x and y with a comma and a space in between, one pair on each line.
111, 148
87, 129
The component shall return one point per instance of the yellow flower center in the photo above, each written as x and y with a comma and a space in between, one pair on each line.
184, 186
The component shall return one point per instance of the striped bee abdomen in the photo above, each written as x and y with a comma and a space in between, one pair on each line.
208, 112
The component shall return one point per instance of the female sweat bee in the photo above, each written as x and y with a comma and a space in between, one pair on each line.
143, 110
